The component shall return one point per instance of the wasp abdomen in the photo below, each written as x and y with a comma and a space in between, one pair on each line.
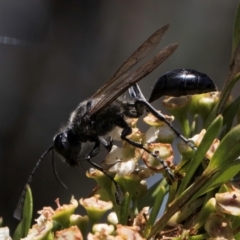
181, 82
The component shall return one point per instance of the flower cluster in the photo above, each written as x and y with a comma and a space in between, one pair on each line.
202, 202
75, 226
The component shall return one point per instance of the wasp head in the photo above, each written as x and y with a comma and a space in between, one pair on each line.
67, 144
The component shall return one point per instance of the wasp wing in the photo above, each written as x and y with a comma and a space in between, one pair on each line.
149, 45
122, 83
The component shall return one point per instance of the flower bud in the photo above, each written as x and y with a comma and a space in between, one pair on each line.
95, 207
103, 229
177, 106
162, 134
203, 104
123, 161
185, 150
218, 227
112, 218
43, 228
80, 221
62, 213
155, 122
105, 188
129, 183
228, 202
197, 140
127, 232
163, 151
70, 233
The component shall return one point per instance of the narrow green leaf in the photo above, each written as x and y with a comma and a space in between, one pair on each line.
155, 210
124, 213
224, 175
232, 156
207, 209
237, 236
149, 198
205, 144
229, 114
23, 227
220, 177
235, 222
203, 236
223, 165
236, 33
179, 203
186, 212
224, 97
226, 149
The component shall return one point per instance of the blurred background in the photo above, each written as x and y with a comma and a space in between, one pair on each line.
54, 54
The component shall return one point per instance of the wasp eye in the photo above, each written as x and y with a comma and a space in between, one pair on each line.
67, 145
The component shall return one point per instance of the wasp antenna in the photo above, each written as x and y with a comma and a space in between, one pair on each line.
19, 209
55, 171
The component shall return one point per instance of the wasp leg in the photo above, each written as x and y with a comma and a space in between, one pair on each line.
94, 152
127, 131
107, 144
136, 94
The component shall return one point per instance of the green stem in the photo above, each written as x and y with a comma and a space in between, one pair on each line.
177, 205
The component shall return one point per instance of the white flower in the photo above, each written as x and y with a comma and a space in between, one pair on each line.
121, 161
4, 233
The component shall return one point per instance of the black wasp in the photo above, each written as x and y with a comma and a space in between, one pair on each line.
95, 117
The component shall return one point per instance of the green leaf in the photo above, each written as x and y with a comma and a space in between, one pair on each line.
149, 198
223, 165
207, 209
177, 204
220, 177
205, 144
229, 114
124, 213
224, 97
236, 33
237, 236
23, 227
224, 175
227, 150
155, 210
235, 222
